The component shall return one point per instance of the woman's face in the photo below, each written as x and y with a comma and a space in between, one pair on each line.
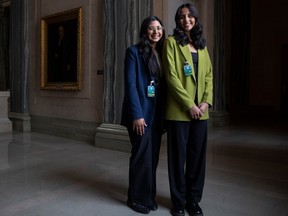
186, 20
154, 32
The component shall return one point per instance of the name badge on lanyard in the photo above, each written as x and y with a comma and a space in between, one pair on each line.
187, 69
151, 89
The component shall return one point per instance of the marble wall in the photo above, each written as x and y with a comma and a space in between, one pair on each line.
83, 105
72, 114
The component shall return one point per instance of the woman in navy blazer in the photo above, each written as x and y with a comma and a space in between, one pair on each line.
142, 113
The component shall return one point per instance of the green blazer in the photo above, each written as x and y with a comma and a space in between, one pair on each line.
181, 89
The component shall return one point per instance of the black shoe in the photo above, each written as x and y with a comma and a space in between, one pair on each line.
177, 212
138, 208
194, 209
154, 206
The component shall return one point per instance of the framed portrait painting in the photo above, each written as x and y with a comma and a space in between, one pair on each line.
61, 50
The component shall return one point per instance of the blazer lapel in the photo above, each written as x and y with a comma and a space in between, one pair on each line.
188, 57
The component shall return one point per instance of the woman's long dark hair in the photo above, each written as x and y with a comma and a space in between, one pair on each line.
198, 40
145, 48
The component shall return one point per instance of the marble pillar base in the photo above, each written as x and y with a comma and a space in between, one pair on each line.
21, 121
219, 118
5, 126
5, 123
5, 139
112, 136
66, 128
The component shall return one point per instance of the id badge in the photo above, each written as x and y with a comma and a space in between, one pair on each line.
187, 69
151, 89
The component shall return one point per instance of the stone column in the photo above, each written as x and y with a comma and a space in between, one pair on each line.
19, 67
122, 23
219, 115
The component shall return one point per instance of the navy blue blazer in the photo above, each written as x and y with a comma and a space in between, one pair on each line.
136, 103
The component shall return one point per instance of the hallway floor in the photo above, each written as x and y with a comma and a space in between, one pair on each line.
41, 175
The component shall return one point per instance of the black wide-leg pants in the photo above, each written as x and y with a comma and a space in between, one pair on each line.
143, 164
186, 145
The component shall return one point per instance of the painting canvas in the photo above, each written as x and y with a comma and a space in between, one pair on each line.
61, 50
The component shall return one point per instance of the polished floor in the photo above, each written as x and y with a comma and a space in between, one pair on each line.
41, 175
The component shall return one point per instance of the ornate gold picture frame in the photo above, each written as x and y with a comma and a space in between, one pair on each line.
61, 50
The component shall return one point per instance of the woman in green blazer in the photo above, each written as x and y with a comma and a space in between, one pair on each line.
188, 73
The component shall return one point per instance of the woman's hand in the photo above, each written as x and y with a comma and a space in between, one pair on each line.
195, 112
139, 126
203, 107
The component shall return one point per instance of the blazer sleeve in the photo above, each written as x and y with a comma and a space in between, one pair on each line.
208, 93
131, 70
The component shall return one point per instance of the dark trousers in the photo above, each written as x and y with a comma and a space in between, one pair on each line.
186, 144
143, 164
